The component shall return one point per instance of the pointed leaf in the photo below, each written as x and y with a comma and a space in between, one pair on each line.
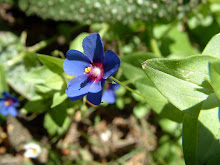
213, 48
58, 98
133, 72
53, 63
36, 106
214, 73
201, 135
38, 75
184, 82
3, 82
54, 82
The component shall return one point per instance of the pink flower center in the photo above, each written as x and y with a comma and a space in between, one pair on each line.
95, 71
9, 102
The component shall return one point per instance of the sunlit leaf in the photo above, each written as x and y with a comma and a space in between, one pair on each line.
137, 77
58, 98
57, 121
213, 48
3, 82
53, 63
184, 82
38, 75
54, 82
201, 135
214, 69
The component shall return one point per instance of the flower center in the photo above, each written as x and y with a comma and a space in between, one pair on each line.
95, 72
34, 150
8, 102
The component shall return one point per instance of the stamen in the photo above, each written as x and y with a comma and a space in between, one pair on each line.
34, 150
87, 70
7, 103
95, 72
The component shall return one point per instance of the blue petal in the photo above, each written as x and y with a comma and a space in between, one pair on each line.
78, 87
93, 47
75, 63
97, 86
111, 63
12, 111
15, 100
95, 98
4, 110
2, 103
95, 93
6, 95
109, 96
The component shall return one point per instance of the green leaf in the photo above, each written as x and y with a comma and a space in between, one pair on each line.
54, 82
146, 87
58, 98
173, 128
137, 58
131, 66
12, 52
50, 125
174, 41
30, 60
184, 82
36, 106
3, 82
214, 71
190, 139
131, 72
53, 63
201, 135
213, 48
140, 111
76, 44
136, 75
59, 114
38, 75
214, 161
15, 80
57, 121
168, 152
42, 89
158, 102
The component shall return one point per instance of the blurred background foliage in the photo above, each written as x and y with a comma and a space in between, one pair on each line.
127, 132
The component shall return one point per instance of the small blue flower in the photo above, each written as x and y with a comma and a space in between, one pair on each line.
91, 70
109, 95
8, 104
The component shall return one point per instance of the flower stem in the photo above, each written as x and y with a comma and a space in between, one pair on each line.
134, 91
41, 45
128, 88
154, 47
153, 42
15, 60
33, 48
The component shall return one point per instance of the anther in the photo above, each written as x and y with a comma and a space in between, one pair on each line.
87, 70
7, 103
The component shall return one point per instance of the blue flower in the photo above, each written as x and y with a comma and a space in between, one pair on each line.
109, 95
8, 104
91, 70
